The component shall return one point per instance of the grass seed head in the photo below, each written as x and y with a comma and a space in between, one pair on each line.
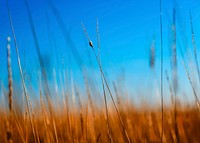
90, 43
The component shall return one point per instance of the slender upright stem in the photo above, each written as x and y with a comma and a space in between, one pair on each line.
20, 68
194, 46
103, 86
115, 106
41, 62
175, 81
10, 93
104, 78
189, 78
161, 69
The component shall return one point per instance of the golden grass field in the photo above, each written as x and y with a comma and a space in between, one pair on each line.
80, 117
142, 125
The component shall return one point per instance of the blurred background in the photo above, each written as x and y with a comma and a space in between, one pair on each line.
128, 29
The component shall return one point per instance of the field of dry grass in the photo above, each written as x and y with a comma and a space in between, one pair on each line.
71, 115
142, 125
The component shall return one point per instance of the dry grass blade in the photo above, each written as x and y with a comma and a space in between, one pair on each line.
115, 106
8, 124
102, 82
194, 46
20, 68
8, 132
66, 35
161, 67
189, 78
174, 69
41, 62
47, 94
84, 109
89, 95
170, 87
10, 93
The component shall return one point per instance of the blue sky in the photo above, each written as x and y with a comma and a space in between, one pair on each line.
127, 29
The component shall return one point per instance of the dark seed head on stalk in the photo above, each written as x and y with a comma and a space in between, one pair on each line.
87, 36
90, 43
9, 74
8, 132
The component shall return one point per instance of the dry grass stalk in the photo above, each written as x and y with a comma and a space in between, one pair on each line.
66, 34
102, 82
95, 129
117, 94
161, 67
194, 46
8, 132
174, 69
46, 85
170, 87
44, 117
89, 94
104, 78
20, 68
8, 124
19, 127
194, 92
10, 93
